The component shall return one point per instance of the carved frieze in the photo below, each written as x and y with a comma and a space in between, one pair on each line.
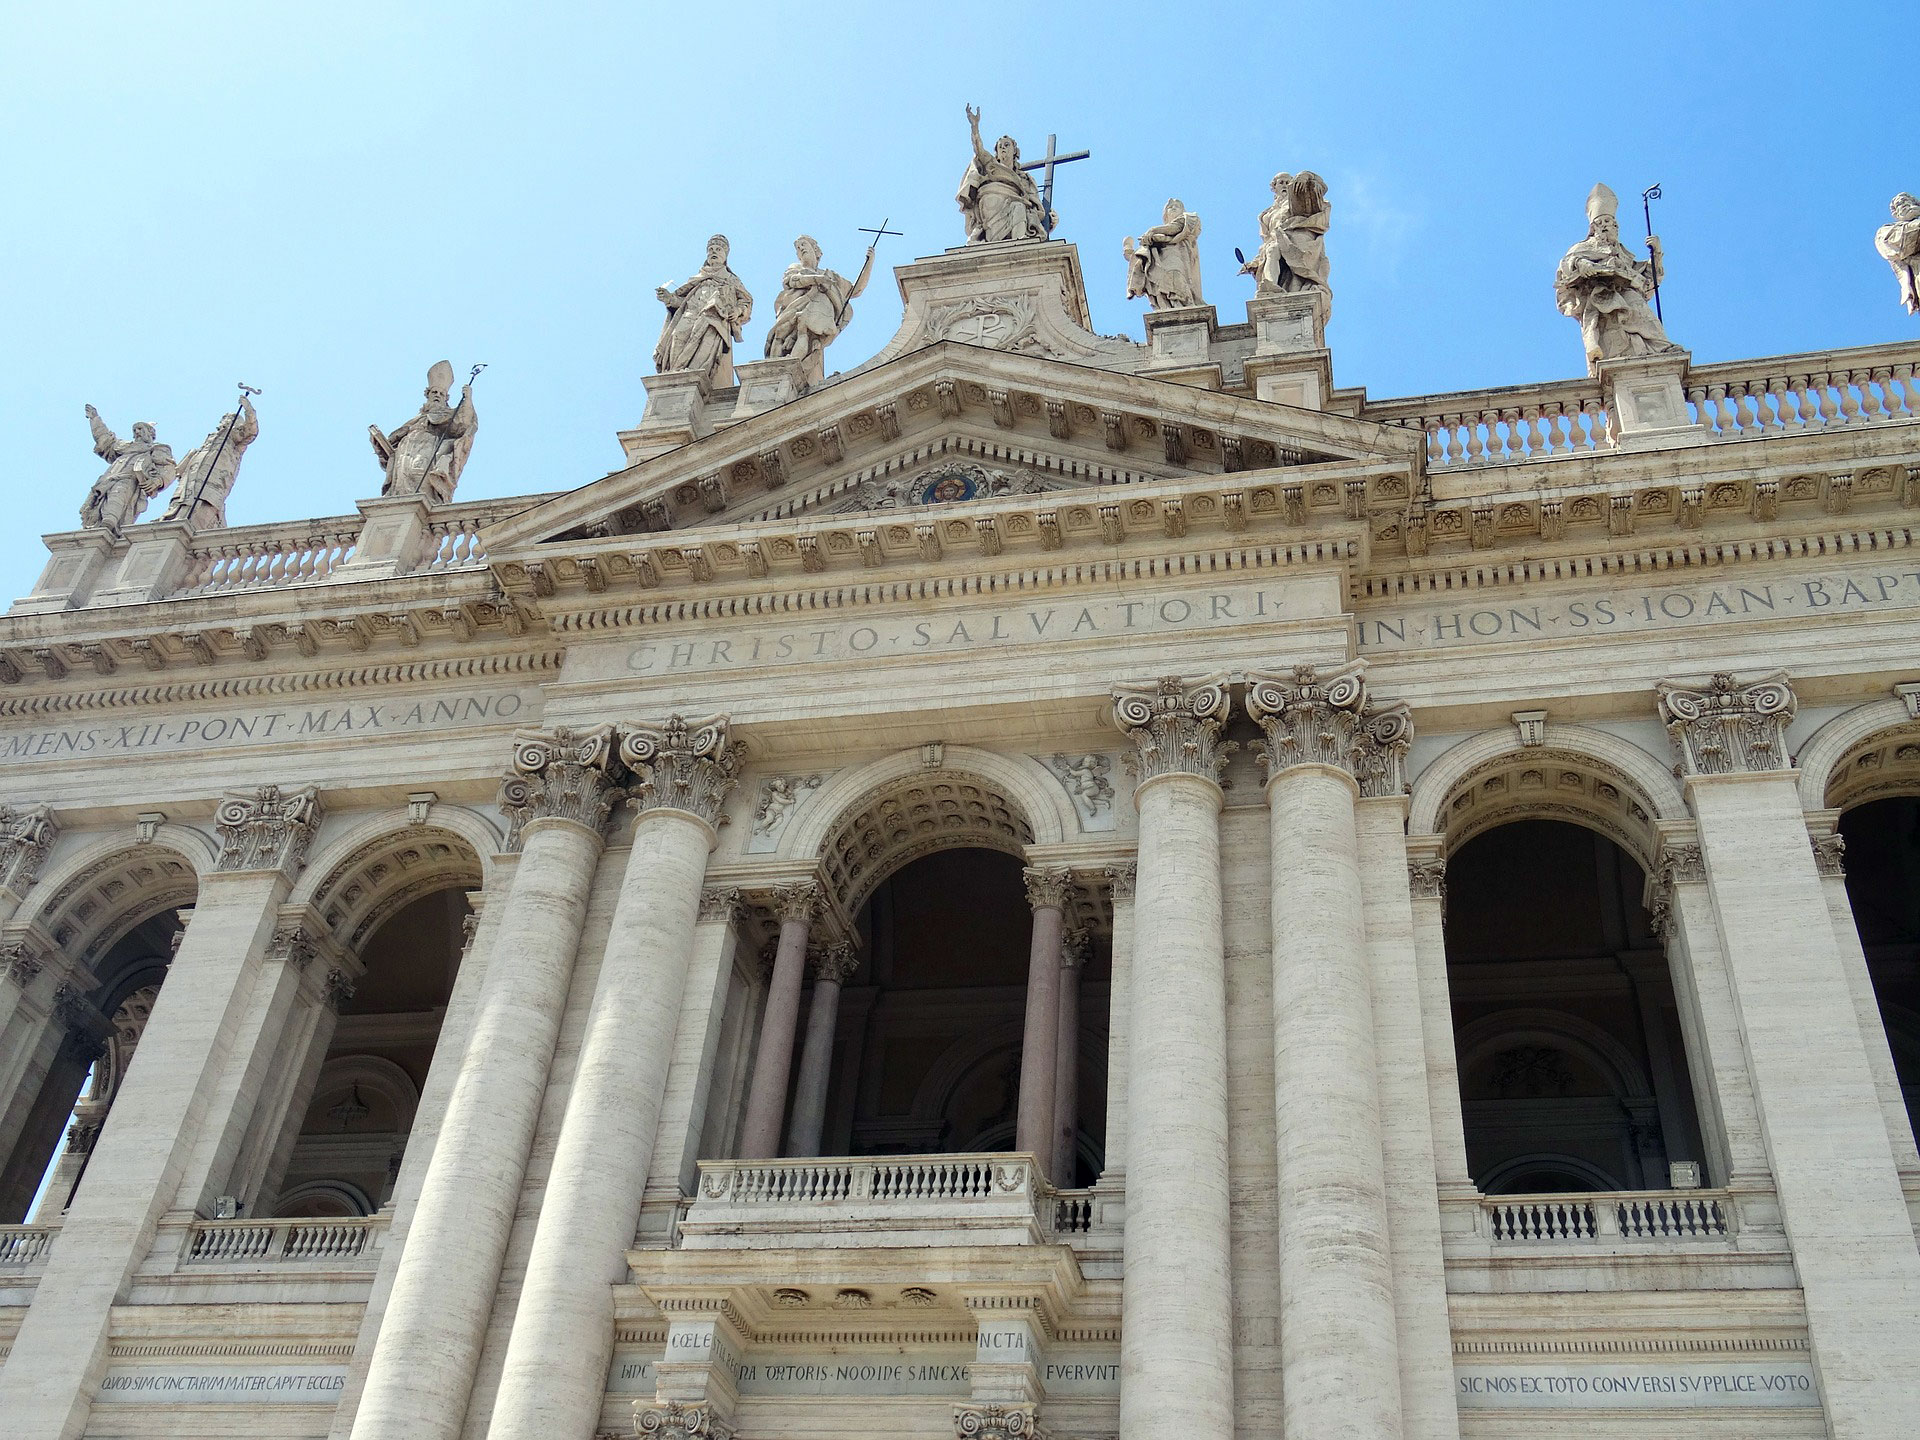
1174, 724
1085, 779
780, 796
267, 828
1728, 725
687, 765
1311, 718
27, 832
993, 322
563, 774
950, 483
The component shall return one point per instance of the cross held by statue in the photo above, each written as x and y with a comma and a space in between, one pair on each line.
1045, 165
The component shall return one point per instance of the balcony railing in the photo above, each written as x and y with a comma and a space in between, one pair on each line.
881, 1201
23, 1245
1658, 1216
273, 1242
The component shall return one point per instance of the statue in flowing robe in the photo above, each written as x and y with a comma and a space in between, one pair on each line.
1899, 246
705, 316
137, 470
426, 454
998, 198
814, 305
1605, 287
1164, 263
206, 475
1292, 257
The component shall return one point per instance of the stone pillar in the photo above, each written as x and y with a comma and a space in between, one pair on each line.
1176, 1341
558, 795
1645, 972
1009, 1358
165, 1103
832, 968
697, 1380
27, 833
1047, 891
1066, 1061
1119, 1015
1820, 1117
1427, 892
796, 905
1339, 1352
555, 1371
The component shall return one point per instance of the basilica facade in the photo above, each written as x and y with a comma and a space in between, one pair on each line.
1040, 885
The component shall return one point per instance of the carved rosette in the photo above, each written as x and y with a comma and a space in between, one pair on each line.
1829, 852
562, 774
798, 903
26, 834
673, 1421
687, 765
996, 1422
1048, 885
1174, 724
834, 963
1123, 878
267, 828
1315, 718
722, 902
1728, 726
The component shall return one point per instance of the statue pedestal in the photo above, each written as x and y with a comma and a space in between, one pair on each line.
1647, 399
392, 532
76, 559
156, 558
1291, 364
676, 414
1180, 346
765, 384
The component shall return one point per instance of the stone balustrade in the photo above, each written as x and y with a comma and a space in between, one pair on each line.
23, 1245
894, 1200
273, 1242
1495, 427
1652, 1215
268, 557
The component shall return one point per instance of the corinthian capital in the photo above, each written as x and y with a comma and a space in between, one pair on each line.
683, 764
267, 829
1727, 726
798, 902
1047, 885
835, 963
1312, 717
26, 834
1174, 724
561, 774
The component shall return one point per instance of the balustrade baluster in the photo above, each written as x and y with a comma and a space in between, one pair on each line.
1849, 402
1870, 406
1903, 377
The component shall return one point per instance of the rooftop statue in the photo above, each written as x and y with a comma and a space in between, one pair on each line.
1164, 263
705, 316
814, 305
206, 476
137, 470
1899, 244
1292, 257
998, 198
426, 455
1601, 284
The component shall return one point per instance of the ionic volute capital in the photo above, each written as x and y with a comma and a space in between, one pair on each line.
27, 832
681, 764
1728, 726
560, 774
670, 1420
1047, 885
1174, 723
1315, 717
975, 1421
267, 828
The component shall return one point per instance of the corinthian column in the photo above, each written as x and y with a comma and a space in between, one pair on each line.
796, 905
1176, 1337
555, 1372
1047, 888
558, 794
1339, 1355
1813, 1083
832, 968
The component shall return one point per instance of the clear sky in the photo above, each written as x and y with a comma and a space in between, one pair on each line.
323, 200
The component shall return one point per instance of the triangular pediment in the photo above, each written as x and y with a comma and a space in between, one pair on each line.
950, 424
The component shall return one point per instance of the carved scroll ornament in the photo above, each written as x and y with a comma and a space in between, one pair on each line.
267, 828
562, 774
687, 765
1728, 726
26, 834
1310, 718
1174, 724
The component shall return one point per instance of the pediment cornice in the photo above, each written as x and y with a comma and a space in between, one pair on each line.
756, 464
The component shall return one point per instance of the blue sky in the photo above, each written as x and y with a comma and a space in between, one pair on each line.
323, 201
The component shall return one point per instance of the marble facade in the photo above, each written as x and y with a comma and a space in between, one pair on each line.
1225, 662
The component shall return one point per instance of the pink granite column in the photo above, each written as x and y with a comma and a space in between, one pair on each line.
1066, 1062
1039, 1046
832, 968
767, 1098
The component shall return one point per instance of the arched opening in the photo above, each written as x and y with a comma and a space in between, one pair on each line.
930, 1041
1572, 1066
1883, 888
345, 1154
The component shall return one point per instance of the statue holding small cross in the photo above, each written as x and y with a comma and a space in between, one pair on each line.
998, 196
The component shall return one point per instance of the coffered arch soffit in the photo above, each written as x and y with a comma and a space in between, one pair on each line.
382, 863
1580, 775
1867, 753
90, 898
1031, 789
1553, 1029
